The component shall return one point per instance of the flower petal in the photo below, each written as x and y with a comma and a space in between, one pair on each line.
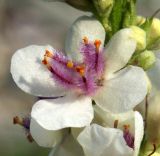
44, 137
131, 118
69, 147
100, 141
108, 119
154, 74
139, 132
83, 27
63, 112
31, 75
119, 50
124, 91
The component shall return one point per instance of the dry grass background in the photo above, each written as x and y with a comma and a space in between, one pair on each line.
25, 22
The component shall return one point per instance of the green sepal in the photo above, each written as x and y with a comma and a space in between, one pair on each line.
117, 15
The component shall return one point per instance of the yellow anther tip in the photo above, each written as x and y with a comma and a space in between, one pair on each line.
44, 62
85, 39
70, 64
48, 54
97, 43
80, 70
126, 127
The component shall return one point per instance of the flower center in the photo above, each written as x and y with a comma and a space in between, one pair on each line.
86, 76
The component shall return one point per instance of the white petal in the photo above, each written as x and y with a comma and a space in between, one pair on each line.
83, 27
69, 147
108, 119
119, 50
100, 141
154, 74
63, 112
31, 75
124, 91
139, 132
131, 118
44, 137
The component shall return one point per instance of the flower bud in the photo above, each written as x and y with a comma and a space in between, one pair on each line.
140, 20
154, 35
146, 59
140, 36
155, 29
103, 5
84, 5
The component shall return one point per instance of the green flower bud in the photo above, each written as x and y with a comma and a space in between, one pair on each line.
140, 20
103, 5
155, 29
140, 36
146, 59
84, 5
154, 35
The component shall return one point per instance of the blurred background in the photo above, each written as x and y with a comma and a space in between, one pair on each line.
25, 22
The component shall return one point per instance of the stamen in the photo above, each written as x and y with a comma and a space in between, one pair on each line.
126, 127
17, 120
49, 54
115, 123
70, 64
24, 122
44, 61
80, 70
97, 44
30, 138
85, 39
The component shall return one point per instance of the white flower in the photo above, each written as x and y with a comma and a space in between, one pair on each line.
77, 83
122, 140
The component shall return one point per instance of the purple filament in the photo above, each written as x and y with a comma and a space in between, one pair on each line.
129, 138
70, 78
26, 123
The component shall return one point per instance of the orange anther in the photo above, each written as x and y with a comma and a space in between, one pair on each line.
70, 64
85, 39
126, 127
30, 138
48, 54
80, 69
17, 120
116, 124
97, 44
44, 61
